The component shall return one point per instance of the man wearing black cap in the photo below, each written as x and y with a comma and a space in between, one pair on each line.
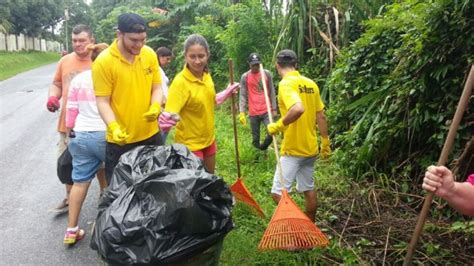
252, 96
302, 110
127, 84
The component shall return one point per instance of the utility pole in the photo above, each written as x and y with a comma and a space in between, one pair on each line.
66, 18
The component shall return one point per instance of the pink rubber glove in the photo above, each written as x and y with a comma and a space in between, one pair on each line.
71, 115
167, 121
53, 104
223, 95
470, 179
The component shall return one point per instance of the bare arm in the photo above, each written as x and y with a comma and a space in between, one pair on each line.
293, 114
462, 198
322, 124
105, 110
55, 89
459, 195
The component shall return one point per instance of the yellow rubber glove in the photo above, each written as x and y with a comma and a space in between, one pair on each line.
274, 128
153, 113
243, 119
119, 136
325, 147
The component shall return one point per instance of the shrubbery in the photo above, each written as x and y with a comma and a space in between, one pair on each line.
395, 90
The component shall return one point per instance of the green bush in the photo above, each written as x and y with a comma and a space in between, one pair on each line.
395, 90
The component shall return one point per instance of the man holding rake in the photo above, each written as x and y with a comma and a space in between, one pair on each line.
302, 110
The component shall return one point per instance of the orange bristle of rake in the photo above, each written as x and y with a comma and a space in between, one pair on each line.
242, 194
290, 229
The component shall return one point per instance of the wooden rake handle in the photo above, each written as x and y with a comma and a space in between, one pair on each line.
270, 118
236, 141
443, 158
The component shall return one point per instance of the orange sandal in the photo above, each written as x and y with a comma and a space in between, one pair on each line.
71, 237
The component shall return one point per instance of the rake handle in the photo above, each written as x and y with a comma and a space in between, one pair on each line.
270, 118
234, 122
443, 158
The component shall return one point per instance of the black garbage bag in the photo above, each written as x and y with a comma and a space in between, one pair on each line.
64, 167
161, 207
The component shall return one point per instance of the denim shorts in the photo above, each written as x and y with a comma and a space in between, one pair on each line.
88, 153
299, 168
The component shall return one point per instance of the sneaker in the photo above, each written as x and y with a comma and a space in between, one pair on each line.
62, 207
71, 237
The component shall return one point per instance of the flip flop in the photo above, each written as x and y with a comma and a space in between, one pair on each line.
71, 237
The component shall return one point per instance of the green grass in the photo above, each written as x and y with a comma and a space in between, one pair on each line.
12, 63
356, 215
240, 245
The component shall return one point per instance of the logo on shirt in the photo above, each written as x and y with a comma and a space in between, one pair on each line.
306, 90
148, 71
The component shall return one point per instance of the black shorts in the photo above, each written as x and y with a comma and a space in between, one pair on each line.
114, 151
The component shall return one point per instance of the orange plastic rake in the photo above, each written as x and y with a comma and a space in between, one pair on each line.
239, 189
242, 194
289, 228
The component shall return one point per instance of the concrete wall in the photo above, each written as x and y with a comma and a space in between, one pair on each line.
10, 42
20, 42
3, 45
36, 43
43, 45
29, 43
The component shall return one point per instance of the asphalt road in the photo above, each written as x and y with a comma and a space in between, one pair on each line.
29, 233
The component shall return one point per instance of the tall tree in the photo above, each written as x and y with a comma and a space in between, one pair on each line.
5, 16
35, 17
78, 13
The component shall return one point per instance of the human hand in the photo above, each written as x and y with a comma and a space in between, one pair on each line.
223, 95
233, 88
276, 127
440, 180
119, 136
243, 119
325, 147
53, 104
153, 112
167, 121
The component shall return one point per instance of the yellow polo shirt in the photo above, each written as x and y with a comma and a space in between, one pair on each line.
194, 101
299, 139
129, 86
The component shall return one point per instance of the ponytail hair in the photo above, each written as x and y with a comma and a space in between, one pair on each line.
200, 40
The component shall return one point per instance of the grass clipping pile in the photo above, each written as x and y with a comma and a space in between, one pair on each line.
377, 223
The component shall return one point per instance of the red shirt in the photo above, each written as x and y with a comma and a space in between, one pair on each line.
256, 97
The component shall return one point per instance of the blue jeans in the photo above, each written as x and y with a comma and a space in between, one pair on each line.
88, 152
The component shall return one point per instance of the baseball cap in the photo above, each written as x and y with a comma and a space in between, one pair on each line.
130, 22
253, 59
287, 56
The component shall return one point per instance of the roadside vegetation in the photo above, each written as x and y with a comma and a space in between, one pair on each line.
390, 73
12, 63
367, 220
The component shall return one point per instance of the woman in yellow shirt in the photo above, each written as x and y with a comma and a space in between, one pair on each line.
192, 96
